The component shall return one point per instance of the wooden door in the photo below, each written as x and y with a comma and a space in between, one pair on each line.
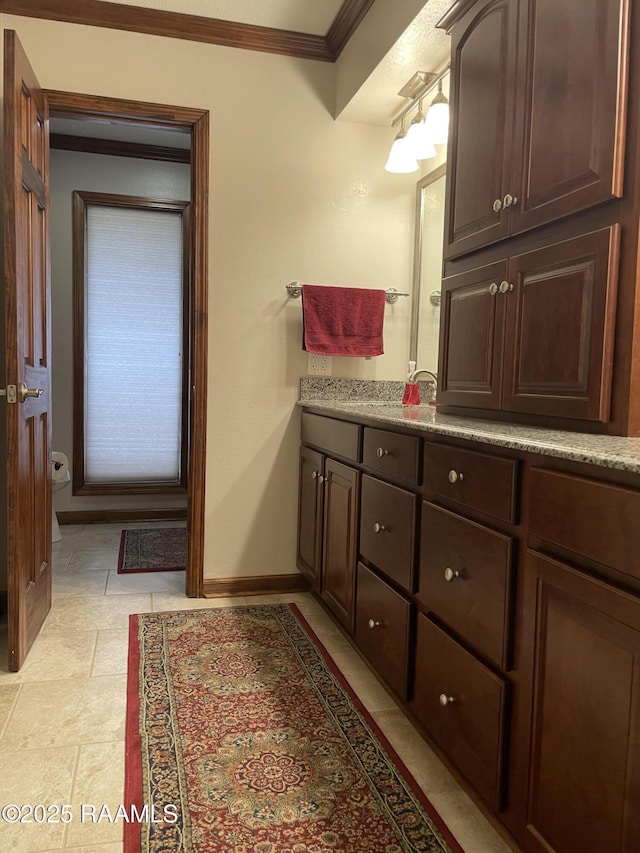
584, 778
27, 350
483, 65
560, 327
310, 483
571, 107
339, 546
471, 337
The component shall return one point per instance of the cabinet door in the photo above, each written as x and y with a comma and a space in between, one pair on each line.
571, 107
560, 327
341, 488
310, 478
471, 338
483, 65
584, 779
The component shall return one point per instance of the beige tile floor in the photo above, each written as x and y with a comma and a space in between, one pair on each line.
62, 716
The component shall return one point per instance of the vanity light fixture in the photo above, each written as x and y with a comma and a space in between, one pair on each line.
401, 157
437, 121
418, 142
418, 137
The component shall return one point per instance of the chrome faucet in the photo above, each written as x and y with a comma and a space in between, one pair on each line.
412, 377
415, 373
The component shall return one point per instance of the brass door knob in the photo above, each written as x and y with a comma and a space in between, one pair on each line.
24, 392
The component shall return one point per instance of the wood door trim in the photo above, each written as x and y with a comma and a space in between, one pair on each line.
196, 123
98, 13
118, 148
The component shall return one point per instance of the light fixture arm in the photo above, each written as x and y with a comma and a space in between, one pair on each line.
420, 95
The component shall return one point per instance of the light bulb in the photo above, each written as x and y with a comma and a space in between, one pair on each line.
418, 139
437, 120
401, 159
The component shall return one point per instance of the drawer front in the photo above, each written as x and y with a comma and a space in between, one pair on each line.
387, 529
465, 580
475, 480
462, 705
597, 520
339, 438
383, 623
392, 454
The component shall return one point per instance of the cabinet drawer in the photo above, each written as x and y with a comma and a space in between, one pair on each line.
597, 520
392, 454
462, 705
465, 580
340, 438
475, 480
387, 529
383, 622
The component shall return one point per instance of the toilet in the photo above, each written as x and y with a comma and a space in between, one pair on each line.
60, 477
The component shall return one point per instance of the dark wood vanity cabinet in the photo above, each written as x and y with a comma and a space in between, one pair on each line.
502, 611
534, 334
328, 509
583, 790
538, 94
310, 515
465, 627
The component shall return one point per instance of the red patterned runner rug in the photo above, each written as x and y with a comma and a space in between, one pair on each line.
243, 737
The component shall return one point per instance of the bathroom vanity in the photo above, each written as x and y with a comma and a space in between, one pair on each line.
490, 575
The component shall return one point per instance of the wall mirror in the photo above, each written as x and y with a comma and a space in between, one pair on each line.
427, 269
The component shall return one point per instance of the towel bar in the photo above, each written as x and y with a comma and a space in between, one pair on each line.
294, 290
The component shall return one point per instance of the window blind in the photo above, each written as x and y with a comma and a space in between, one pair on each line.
134, 345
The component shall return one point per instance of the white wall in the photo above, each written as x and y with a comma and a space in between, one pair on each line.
293, 195
71, 171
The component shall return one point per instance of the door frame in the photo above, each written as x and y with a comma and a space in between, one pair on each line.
196, 123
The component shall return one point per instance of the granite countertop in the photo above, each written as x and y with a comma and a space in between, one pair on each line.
347, 397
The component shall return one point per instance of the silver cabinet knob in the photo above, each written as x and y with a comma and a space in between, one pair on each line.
450, 574
321, 479
454, 476
314, 475
508, 200
445, 700
380, 452
24, 392
504, 287
378, 528
373, 624
497, 205
493, 288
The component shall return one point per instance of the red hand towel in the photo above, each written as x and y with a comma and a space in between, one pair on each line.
345, 321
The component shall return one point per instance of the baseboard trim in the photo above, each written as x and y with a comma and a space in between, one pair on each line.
217, 587
113, 516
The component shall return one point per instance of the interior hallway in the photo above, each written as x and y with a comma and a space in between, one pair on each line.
62, 717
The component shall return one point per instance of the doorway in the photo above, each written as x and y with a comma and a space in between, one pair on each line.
195, 123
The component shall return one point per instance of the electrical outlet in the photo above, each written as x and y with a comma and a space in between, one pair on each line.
318, 365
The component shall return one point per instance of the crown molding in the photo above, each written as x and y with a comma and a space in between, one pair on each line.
95, 13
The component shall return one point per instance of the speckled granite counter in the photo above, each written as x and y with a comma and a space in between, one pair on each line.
607, 451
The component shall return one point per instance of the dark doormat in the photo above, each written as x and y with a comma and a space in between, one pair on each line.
161, 549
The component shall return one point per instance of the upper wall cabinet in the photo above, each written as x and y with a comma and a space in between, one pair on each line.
538, 89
